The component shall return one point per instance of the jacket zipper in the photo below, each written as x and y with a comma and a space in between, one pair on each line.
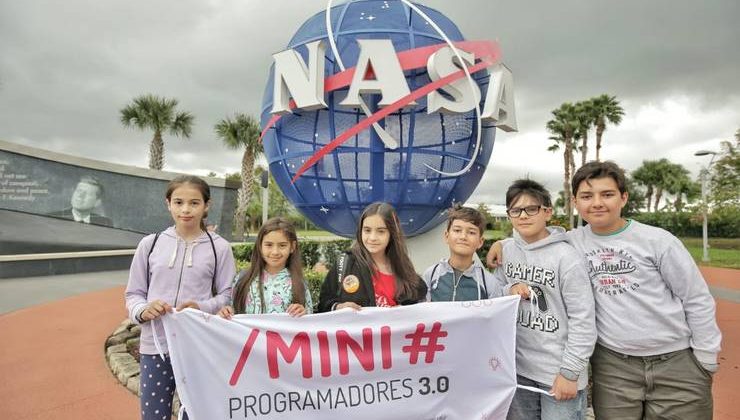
182, 267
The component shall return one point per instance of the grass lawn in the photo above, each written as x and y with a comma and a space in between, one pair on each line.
723, 252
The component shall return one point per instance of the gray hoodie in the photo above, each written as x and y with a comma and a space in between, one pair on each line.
557, 329
180, 272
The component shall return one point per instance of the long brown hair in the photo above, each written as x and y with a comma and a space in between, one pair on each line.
257, 266
196, 182
403, 270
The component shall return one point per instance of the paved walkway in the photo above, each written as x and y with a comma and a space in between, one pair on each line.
53, 364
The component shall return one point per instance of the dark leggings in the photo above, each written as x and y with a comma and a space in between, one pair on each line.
157, 387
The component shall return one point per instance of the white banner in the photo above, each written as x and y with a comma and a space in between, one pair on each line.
428, 361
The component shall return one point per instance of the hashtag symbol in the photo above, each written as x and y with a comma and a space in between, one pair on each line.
431, 346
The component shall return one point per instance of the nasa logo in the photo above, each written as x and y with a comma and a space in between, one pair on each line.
404, 125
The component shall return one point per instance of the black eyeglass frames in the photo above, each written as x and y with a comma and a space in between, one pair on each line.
530, 210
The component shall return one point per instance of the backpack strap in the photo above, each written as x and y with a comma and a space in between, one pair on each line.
434, 270
148, 273
214, 292
341, 271
483, 279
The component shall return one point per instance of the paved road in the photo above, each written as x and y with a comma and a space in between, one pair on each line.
20, 293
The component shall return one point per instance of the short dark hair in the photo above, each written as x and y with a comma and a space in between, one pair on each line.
531, 188
466, 214
595, 169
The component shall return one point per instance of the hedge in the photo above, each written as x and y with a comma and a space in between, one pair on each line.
722, 222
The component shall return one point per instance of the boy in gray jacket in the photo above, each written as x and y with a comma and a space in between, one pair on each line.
461, 277
556, 329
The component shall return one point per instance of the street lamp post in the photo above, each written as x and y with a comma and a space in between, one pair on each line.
704, 226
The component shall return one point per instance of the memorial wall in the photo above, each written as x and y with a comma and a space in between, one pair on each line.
51, 202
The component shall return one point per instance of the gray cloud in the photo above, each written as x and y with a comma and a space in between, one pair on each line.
68, 67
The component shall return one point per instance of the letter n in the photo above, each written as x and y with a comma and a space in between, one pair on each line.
364, 353
293, 78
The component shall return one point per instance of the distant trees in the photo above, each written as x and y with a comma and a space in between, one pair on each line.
150, 112
725, 175
569, 130
662, 176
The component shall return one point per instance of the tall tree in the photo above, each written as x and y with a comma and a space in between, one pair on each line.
150, 112
242, 132
680, 185
605, 109
563, 127
647, 175
725, 175
585, 115
585, 120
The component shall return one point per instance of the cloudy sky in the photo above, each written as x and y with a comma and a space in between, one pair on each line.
68, 67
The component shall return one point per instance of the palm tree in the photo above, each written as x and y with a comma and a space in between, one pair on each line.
605, 108
242, 132
585, 115
158, 114
647, 175
678, 183
585, 120
563, 127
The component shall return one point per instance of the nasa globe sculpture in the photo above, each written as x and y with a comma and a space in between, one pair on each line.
392, 117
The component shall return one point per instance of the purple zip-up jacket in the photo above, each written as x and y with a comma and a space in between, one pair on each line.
179, 272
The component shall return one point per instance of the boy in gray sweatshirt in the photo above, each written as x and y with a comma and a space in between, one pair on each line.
556, 328
658, 336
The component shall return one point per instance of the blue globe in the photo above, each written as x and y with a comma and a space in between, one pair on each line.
333, 192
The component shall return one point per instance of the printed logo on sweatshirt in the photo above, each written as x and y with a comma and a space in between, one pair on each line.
539, 319
607, 268
530, 274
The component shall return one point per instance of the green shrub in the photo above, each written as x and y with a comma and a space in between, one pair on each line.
332, 249
722, 222
486, 246
314, 279
243, 252
310, 254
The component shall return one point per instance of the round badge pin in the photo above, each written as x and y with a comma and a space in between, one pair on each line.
351, 283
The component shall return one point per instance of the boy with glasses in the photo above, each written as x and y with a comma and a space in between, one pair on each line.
556, 330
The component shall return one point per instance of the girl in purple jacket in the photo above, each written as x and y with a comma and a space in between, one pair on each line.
182, 267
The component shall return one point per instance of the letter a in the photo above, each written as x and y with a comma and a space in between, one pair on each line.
499, 107
389, 79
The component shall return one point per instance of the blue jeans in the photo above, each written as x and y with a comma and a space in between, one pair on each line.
528, 405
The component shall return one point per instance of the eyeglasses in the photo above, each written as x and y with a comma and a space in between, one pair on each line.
530, 210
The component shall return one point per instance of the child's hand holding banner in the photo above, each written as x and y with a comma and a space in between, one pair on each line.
428, 361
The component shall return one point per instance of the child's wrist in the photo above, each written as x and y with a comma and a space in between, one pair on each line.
569, 374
